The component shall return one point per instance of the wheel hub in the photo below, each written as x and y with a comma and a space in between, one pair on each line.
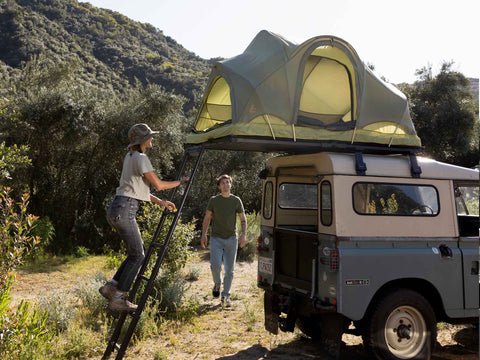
405, 332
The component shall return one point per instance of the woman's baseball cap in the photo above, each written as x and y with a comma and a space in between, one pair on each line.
139, 133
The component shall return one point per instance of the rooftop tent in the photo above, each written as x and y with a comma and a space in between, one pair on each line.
288, 94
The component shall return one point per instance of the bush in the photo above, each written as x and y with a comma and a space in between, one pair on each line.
114, 259
178, 252
93, 303
16, 239
249, 251
169, 291
59, 312
81, 251
22, 332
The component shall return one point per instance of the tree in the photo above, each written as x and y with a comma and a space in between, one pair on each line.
445, 115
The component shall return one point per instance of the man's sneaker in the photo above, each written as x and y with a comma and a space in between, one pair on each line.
108, 290
226, 301
216, 291
121, 304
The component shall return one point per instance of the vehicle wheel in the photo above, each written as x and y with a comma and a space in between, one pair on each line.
310, 327
402, 326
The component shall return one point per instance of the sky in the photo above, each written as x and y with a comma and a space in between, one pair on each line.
397, 37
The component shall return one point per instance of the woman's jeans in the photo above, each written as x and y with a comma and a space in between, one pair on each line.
121, 215
226, 249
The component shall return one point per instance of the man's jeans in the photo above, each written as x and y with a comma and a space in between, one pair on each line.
226, 248
121, 215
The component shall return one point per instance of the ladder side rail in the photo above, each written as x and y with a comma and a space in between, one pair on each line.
158, 263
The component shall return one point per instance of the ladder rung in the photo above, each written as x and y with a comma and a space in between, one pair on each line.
144, 277
117, 346
158, 245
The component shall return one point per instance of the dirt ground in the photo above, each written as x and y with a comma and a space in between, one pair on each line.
237, 333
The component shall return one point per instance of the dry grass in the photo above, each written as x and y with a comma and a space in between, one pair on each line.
235, 333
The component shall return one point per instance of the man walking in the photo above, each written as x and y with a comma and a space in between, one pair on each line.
223, 209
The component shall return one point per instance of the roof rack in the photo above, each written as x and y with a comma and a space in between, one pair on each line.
288, 146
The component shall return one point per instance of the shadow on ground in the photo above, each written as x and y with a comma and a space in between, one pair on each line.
305, 348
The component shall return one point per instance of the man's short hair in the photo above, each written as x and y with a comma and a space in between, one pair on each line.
224, 176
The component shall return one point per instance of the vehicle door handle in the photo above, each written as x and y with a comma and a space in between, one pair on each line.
445, 251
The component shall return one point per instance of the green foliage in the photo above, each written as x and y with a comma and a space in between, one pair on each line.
242, 166
81, 251
178, 251
249, 251
193, 272
93, 304
22, 331
11, 158
114, 259
16, 239
113, 51
60, 312
445, 115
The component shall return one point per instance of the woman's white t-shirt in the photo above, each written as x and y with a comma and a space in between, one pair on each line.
132, 182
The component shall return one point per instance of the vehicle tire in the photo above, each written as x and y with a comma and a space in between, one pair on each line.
310, 327
402, 325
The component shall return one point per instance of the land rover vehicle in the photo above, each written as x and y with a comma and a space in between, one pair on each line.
388, 243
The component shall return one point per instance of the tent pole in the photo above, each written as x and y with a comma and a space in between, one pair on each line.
269, 125
393, 135
353, 135
293, 131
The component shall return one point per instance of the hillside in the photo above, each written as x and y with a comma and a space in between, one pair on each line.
109, 49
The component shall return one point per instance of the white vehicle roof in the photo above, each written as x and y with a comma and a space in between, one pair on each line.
377, 165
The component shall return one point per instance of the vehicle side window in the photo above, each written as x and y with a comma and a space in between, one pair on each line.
297, 196
466, 198
268, 200
326, 203
395, 199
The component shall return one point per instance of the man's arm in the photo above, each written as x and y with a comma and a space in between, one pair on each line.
205, 225
243, 235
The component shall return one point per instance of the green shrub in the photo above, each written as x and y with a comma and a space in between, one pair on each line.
93, 304
23, 332
178, 251
169, 291
16, 239
193, 272
81, 251
249, 251
79, 342
59, 312
114, 259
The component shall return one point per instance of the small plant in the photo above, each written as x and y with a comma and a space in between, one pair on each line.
22, 331
193, 272
60, 313
160, 355
81, 251
250, 316
93, 303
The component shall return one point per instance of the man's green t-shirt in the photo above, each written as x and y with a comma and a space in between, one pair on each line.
224, 215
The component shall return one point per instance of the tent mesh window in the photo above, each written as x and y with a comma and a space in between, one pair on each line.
217, 107
326, 95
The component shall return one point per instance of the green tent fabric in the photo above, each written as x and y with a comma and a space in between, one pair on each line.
319, 90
